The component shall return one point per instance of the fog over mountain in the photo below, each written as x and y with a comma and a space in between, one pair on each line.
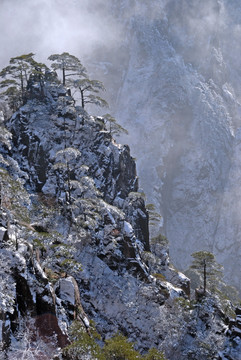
45, 27
172, 72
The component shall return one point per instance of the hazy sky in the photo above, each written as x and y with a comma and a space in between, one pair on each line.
51, 26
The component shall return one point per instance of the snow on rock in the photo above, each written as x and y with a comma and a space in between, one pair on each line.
3, 232
78, 243
128, 230
179, 98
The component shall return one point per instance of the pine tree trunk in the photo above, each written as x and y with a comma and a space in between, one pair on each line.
82, 98
63, 76
22, 87
204, 276
68, 183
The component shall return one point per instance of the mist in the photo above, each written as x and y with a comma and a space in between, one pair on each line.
45, 27
172, 71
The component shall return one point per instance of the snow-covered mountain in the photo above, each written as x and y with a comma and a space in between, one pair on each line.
75, 247
177, 90
74, 237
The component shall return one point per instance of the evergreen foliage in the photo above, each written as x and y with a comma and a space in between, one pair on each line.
154, 354
119, 348
23, 72
88, 91
154, 217
74, 75
82, 344
15, 79
112, 125
205, 264
68, 64
87, 346
160, 239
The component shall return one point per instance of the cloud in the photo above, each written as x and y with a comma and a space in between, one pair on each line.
49, 26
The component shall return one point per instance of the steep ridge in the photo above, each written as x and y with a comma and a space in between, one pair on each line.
80, 206
179, 97
75, 243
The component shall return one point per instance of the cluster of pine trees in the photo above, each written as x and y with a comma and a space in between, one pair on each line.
16, 77
21, 68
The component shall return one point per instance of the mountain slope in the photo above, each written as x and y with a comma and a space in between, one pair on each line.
75, 243
179, 97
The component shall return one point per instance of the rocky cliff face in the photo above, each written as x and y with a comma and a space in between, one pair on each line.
75, 243
179, 97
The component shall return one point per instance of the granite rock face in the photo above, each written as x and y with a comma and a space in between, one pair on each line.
75, 242
80, 202
179, 98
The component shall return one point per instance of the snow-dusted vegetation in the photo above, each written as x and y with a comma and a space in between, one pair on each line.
75, 245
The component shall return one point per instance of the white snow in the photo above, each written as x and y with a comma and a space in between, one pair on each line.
128, 229
2, 232
181, 112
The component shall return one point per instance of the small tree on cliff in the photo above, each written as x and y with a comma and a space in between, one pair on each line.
64, 167
206, 266
154, 217
37, 76
15, 79
89, 90
68, 64
112, 125
74, 75
16, 75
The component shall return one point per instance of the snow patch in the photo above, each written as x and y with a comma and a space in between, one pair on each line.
128, 229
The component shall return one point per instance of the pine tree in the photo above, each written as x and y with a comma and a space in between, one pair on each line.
154, 217
113, 127
15, 79
206, 266
68, 64
88, 91
74, 75
17, 73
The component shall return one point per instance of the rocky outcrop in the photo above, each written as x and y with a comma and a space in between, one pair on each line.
235, 324
233, 347
110, 164
75, 241
89, 186
25, 291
